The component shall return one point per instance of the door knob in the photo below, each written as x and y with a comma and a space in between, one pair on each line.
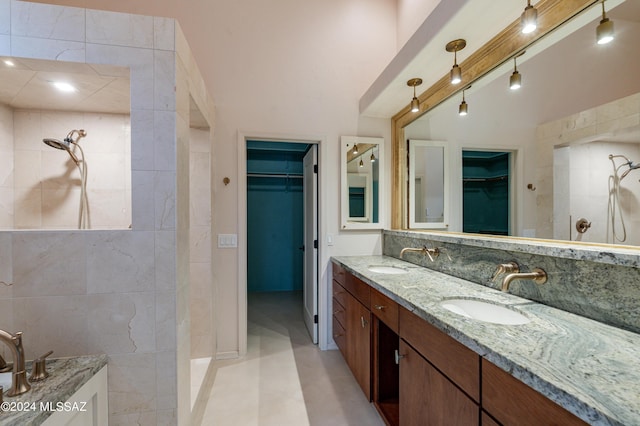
397, 356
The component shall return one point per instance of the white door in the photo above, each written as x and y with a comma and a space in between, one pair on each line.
310, 287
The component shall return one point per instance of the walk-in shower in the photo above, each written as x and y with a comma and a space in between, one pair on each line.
615, 211
70, 144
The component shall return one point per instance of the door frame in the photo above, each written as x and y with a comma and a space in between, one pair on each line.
243, 137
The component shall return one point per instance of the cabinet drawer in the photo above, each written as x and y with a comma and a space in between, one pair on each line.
455, 360
339, 312
340, 337
339, 293
339, 273
385, 309
512, 402
359, 289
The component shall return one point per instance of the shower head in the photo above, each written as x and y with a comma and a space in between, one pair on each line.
55, 143
64, 145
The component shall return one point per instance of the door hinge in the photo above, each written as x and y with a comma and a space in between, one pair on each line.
315, 243
315, 168
315, 319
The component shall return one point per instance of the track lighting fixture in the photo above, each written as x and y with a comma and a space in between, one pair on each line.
515, 81
604, 32
529, 19
415, 103
463, 108
455, 46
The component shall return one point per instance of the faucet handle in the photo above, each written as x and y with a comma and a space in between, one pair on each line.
39, 370
441, 250
505, 268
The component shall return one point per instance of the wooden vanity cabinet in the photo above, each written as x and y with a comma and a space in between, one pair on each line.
352, 325
439, 377
386, 373
511, 402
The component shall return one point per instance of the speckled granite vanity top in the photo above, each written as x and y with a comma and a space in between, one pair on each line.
66, 376
587, 367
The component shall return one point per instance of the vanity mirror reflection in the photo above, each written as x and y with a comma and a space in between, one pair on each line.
65, 145
361, 177
579, 104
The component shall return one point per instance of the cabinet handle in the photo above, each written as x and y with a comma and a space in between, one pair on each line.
397, 356
335, 336
337, 312
379, 307
363, 321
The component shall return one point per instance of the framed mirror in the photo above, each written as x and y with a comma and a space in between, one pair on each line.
428, 184
578, 105
360, 179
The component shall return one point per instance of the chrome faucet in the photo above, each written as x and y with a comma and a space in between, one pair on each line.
19, 382
431, 253
538, 276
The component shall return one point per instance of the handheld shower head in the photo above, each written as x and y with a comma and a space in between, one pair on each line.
632, 166
64, 145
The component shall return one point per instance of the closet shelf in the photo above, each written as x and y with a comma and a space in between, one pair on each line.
276, 175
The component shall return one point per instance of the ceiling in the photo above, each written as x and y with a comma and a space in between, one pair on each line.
27, 84
424, 55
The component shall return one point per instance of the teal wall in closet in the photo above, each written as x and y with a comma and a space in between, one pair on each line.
275, 209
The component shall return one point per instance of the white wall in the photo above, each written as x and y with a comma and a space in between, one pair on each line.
411, 14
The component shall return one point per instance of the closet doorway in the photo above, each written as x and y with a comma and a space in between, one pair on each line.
282, 223
486, 192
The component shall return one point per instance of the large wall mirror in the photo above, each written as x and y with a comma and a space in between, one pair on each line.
65, 145
568, 140
361, 177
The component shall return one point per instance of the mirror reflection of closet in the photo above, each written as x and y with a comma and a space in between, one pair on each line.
428, 184
361, 177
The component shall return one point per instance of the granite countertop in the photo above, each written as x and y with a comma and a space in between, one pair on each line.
66, 376
587, 367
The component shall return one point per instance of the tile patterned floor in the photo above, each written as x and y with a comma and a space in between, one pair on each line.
284, 379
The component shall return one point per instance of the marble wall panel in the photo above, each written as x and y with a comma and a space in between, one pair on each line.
164, 193
164, 145
164, 33
132, 384
61, 50
165, 321
166, 380
143, 200
120, 29
45, 21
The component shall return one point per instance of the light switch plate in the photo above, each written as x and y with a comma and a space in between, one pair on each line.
227, 240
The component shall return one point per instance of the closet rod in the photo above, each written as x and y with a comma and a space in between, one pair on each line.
494, 179
274, 175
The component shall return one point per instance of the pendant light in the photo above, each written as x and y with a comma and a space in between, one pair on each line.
515, 81
455, 46
529, 19
355, 148
361, 163
604, 32
373, 157
464, 107
415, 103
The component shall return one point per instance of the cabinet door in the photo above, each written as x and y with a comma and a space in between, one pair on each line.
427, 398
359, 343
512, 402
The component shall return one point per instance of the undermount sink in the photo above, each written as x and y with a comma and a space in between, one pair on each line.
485, 311
383, 269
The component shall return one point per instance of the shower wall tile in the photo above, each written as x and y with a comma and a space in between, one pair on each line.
28, 168
110, 208
120, 262
6, 169
200, 142
200, 244
6, 208
60, 208
166, 381
27, 130
29, 203
5, 45
6, 324
139, 60
142, 140
165, 266
48, 264
107, 172
46, 21
60, 50
165, 200
6, 128
143, 200
106, 133
120, 29
6, 265
164, 147
57, 323
142, 418
164, 80
165, 321
164, 33
5, 17
131, 330
132, 384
